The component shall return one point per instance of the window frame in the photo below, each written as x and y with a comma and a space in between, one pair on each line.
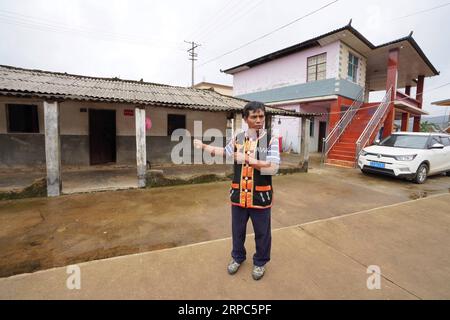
353, 67
316, 67
433, 140
446, 141
35, 122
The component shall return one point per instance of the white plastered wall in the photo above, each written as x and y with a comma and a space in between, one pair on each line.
75, 122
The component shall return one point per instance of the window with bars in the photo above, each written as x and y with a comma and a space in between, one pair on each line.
317, 67
353, 62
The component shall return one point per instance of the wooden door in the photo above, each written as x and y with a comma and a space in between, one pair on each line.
322, 134
102, 136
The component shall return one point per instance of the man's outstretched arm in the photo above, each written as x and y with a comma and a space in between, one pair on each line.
210, 149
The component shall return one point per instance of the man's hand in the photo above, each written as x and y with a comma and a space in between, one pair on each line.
198, 144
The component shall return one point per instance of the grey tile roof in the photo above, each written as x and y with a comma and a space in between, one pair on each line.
53, 85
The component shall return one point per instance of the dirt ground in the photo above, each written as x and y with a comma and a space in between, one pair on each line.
38, 234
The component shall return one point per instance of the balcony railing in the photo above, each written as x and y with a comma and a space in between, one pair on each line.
400, 98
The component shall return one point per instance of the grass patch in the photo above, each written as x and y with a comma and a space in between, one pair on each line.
37, 189
157, 179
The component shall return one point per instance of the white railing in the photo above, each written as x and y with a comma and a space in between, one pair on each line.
342, 124
374, 123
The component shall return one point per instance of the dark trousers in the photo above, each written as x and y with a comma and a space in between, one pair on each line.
263, 237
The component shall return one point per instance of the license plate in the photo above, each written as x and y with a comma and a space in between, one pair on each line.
377, 164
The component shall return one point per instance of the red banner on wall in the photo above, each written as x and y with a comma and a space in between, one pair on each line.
128, 112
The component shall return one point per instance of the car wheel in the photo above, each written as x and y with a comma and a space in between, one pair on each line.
421, 174
448, 173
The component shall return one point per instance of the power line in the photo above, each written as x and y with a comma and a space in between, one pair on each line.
391, 101
422, 11
377, 105
212, 21
237, 17
269, 33
17, 19
238, 11
223, 19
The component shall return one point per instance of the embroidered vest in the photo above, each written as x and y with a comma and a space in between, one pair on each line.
250, 188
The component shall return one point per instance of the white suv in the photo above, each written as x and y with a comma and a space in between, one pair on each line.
410, 155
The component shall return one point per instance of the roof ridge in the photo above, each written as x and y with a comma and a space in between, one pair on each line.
314, 41
89, 77
22, 82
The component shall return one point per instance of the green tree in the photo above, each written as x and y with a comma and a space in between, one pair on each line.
428, 127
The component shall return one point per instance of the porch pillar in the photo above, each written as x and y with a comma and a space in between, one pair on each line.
304, 142
141, 151
391, 82
52, 148
419, 98
405, 121
237, 123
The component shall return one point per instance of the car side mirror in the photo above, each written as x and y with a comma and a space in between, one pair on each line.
437, 146
377, 142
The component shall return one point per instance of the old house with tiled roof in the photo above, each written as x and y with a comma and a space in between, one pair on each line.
52, 119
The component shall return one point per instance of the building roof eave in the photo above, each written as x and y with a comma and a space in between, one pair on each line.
442, 103
315, 42
416, 47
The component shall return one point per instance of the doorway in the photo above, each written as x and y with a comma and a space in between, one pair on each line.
102, 136
322, 134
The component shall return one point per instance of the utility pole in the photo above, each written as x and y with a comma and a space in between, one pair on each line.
192, 56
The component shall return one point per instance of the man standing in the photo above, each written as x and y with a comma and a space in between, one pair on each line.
256, 158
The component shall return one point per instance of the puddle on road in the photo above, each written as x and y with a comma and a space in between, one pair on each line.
425, 193
418, 195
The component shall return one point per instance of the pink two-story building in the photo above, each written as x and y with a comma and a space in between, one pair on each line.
333, 74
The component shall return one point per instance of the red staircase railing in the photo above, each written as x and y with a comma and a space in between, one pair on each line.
342, 124
374, 124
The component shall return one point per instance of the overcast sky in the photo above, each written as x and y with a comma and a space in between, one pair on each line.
136, 39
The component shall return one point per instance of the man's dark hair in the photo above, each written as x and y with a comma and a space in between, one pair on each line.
253, 106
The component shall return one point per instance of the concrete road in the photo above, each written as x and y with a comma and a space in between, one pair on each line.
325, 259
37, 234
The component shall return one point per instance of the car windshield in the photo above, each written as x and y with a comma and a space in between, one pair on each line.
405, 141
